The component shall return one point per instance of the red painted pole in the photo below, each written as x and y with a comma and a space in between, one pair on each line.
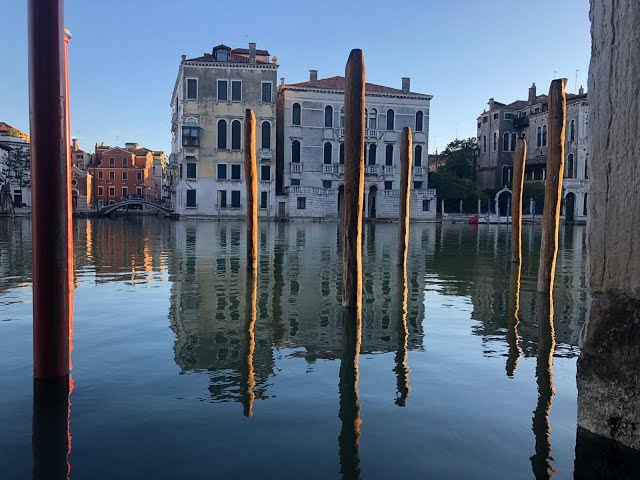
50, 197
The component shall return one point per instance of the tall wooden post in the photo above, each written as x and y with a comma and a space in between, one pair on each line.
553, 188
251, 182
50, 198
249, 344
354, 104
516, 200
406, 164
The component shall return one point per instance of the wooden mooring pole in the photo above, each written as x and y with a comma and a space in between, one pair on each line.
553, 188
406, 164
50, 198
354, 104
516, 200
251, 182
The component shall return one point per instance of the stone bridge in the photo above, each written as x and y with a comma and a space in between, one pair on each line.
156, 203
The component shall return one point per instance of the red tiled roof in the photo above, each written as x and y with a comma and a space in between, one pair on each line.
233, 58
337, 83
245, 51
5, 128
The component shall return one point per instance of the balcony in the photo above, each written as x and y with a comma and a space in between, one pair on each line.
266, 154
296, 168
327, 169
371, 170
368, 133
388, 170
417, 171
574, 183
339, 169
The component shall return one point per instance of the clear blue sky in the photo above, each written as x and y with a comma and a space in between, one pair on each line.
124, 54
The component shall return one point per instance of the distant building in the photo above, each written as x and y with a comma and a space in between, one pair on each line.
81, 190
209, 100
79, 158
499, 127
310, 161
435, 162
16, 174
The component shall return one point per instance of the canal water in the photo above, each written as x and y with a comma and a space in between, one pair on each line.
173, 379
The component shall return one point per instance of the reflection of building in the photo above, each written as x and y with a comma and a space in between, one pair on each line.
299, 297
15, 167
209, 100
81, 190
497, 132
310, 153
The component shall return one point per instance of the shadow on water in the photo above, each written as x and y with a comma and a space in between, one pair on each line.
401, 369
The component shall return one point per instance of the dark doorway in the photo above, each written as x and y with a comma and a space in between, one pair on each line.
570, 207
372, 201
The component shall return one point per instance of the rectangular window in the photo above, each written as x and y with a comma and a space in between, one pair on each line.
235, 198
125, 191
388, 185
125, 161
190, 136
139, 176
191, 171
223, 198
302, 203
100, 174
235, 172
417, 185
191, 199
295, 182
112, 191
266, 92
265, 173
192, 88
223, 87
180, 170
479, 124
326, 183
100, 191
112, 175
264, 196
112, 160
426, 205
139, 191
222, 171
485, 119
125, 175
236, 91
495, 116
509, 115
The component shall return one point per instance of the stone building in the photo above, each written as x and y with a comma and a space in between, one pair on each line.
79, 158
209, 100
15, 165
497, 132
310, 154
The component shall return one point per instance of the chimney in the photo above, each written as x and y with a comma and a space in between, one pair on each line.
282, 81
75, 146
581, 91
492, 102
406, 84
313, 78
532, 94
183, 57
252, 52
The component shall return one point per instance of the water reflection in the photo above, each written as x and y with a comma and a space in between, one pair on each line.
249, 343
401, 369
513, 321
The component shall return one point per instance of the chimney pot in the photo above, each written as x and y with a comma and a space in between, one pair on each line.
313, 78
252, 52
532, 94
183, 57
282, 81
581, 91
406, 84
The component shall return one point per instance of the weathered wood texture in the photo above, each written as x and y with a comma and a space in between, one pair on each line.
516, 200
251, 182
354, 105
406, 165
553, 185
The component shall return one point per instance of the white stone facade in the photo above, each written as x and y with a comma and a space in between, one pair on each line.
210, 97
311, 152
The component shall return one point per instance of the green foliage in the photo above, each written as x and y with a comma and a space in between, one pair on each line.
450, 186
459, 156
533, 190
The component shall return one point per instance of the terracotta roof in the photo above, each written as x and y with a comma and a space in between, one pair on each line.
233, 58
5, 128
245, 51
518, 105
337, 83
141, 151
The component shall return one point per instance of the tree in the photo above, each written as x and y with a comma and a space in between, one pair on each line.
450, 186
459, 157
15, 172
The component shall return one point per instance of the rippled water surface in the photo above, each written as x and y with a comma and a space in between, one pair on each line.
173, 379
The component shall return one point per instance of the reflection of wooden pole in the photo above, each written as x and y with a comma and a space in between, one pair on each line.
553, 189
401, 369
516, 201
512, 321
349, 439
249, 347
354, 103
51, 437
251, 181
406, 164
541, 461
51, 209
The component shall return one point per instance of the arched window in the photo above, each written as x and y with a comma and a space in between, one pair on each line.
572, 131
366, 118
388, 160
373, 150
342, 154
584, 204
544, 135
505, 141
236, 127
391, 121
586, 170
295, 114
417, 157
373, 119
328, 116
266, 135
484, 144
514, 140
295, 151
222, 134
419, 120
539, 143
327, 153
342, 117
495, 141
570, 166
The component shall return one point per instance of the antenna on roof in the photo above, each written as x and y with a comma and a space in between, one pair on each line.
575, 87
